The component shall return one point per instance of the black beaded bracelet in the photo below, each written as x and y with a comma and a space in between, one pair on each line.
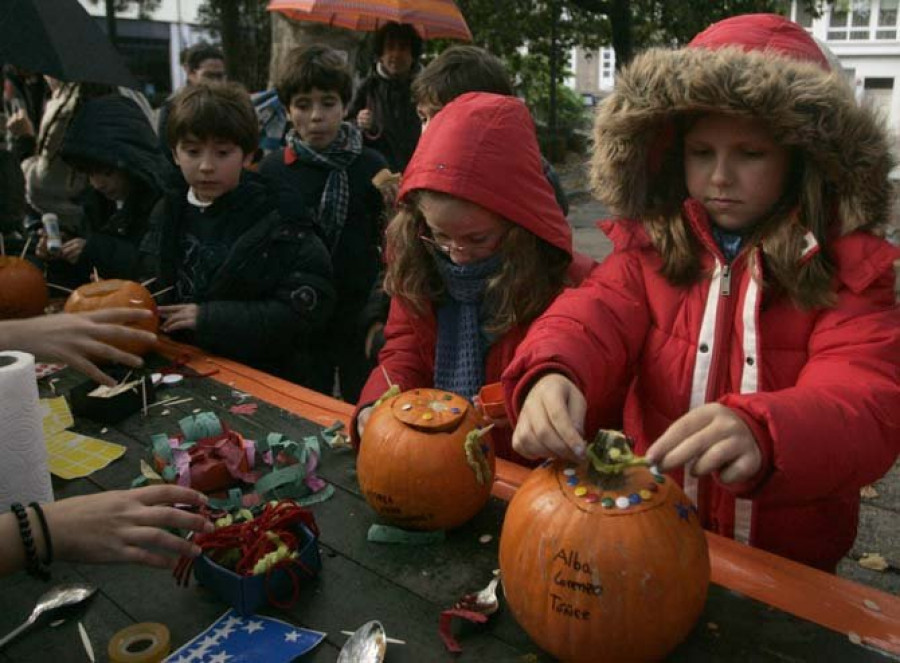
33, 564
48, 542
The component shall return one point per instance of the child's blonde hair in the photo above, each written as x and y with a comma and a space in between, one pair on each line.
533, 271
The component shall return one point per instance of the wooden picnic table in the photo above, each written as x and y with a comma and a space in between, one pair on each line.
760, 607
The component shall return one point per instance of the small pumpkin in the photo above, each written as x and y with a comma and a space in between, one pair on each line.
23, 289
423, 462
117, 293
604, 561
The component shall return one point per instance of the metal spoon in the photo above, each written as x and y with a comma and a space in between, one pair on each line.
61, 596
366, 645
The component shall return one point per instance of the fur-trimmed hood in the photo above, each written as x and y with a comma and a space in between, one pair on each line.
762, 67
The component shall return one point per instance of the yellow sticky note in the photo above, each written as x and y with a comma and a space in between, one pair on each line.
56, 415
72, 456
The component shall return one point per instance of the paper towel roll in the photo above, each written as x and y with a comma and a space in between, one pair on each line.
24, 476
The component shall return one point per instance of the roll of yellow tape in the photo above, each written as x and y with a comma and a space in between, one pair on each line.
140, 643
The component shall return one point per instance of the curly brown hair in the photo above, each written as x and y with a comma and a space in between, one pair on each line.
532, 274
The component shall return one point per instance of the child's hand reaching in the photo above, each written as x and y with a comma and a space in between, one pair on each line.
713, 438
551, 420
178, 316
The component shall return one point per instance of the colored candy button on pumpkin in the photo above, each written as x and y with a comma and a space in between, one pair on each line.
423, 463
619, 579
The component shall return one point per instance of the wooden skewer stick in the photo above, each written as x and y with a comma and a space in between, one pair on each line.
148, 281
393, 641
386, 376
59, 287
2, 246
163, 291
144, 395
25, 250
175, 402
94, 275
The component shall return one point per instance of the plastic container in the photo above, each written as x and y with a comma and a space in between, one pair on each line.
247, 594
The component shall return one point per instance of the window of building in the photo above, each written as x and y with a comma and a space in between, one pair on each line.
887, 20
850, 19
804, 17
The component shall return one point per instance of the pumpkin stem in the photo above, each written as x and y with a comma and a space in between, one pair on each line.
393, 390
610, 453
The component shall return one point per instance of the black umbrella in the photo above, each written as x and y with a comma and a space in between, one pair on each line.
59, 38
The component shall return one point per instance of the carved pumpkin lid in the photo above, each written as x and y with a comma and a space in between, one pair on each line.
430, 410
637, 489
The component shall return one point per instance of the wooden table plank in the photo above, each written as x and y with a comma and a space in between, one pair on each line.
405, 587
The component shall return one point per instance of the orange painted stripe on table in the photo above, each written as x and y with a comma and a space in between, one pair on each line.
288, 396
813, 595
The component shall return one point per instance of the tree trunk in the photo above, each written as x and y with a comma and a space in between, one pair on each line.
111, 21
230, 26
287, 34
620, 21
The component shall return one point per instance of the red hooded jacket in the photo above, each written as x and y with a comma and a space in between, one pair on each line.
819, 389
482, 148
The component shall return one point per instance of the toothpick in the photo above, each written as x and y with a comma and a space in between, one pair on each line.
386, 376
25, 250
94, 275
125, 379
163, 291
176, 402
59, 287
485, 430
144, 394
393, 641
2, 246
148, 281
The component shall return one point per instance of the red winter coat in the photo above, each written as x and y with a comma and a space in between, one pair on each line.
480, 147
820, 389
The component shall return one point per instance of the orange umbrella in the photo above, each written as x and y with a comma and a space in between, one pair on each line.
432, 19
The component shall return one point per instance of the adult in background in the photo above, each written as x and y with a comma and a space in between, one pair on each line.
382, 106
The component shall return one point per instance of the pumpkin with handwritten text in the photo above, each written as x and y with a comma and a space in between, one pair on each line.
23, 289
604, 565
423, 462
117, 293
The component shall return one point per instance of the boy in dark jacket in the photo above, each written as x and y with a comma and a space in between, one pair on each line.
247, 282
112, 142
326, 169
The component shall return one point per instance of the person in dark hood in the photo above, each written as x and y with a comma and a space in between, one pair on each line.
382, 106
111, 141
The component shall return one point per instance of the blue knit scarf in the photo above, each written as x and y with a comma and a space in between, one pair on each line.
336, 157
461, 342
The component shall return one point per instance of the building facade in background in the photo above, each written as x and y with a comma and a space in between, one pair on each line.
152, 46
863, 34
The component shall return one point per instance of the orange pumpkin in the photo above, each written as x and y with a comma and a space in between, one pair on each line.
23, 289
423, 463
603, 566
117, 293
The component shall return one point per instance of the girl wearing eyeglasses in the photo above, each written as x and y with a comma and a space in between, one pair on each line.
478, 250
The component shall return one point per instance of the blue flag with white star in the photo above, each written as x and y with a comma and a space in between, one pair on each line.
236, 639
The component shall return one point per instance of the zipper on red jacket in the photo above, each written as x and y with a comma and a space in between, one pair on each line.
722, 337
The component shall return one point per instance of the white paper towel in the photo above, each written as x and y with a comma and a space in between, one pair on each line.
24, 476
